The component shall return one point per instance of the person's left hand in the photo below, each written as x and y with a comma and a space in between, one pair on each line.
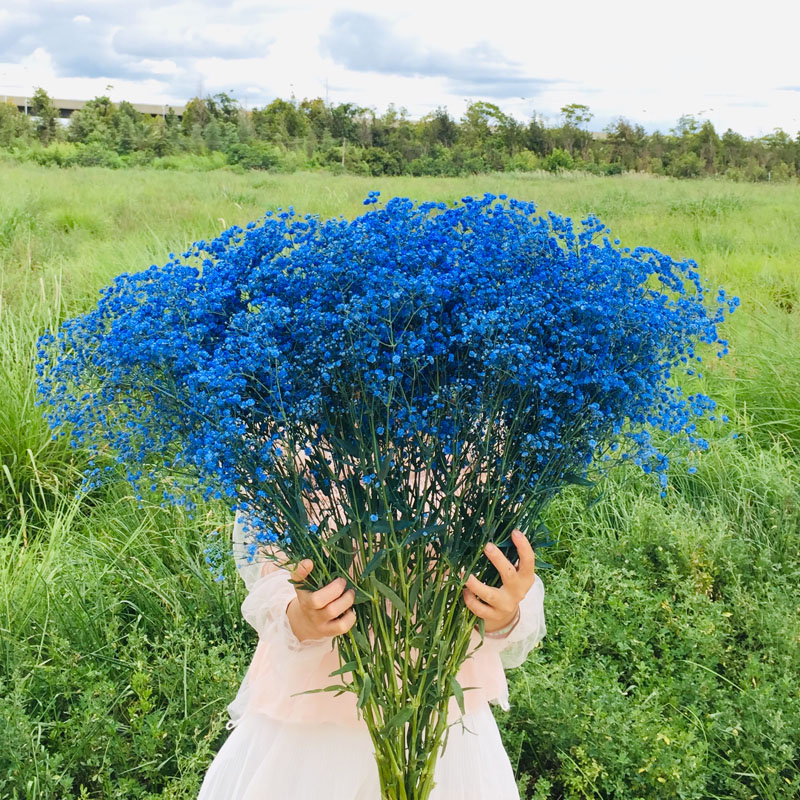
498, 607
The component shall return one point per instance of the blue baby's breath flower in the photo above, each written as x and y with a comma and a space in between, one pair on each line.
255, 366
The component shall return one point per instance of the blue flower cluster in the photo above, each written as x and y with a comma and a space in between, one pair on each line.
297, 358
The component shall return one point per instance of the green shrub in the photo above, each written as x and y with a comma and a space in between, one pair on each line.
558, 160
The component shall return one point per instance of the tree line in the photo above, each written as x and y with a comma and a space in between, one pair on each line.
287, 135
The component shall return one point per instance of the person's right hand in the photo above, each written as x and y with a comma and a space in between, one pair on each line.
327, 612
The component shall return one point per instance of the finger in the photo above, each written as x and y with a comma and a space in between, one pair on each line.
527, 558
488, 594
508, 572
302, 570
340, 605
339, 626
476, 605
327, 594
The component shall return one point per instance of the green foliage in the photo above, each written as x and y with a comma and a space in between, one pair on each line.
524, 161
126, 660
688, 165
557, 160
255, 155
14, 125
311, 134
46, 114
672, 642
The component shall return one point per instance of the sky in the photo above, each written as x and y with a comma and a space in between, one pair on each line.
735, 65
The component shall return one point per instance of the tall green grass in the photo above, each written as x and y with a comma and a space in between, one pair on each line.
670, 664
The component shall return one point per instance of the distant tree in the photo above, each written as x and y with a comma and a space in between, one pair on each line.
126, 135
559, 160
344, 123
574, 138
223, 107
174, 130
537, 137
397, 134
43, 108
707, 146
781, 149
687, 165
439, 128
366, 125
280, 121
576, 115
475, 130
319, 118
686, 126
197, 144
159, 137
195, 113
383, 162
245, 130
733, 151
658, 148
212, 135
625, 143
128, 124
14, 125
95, 123
494, 134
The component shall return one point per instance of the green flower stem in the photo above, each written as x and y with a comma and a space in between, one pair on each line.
406, 755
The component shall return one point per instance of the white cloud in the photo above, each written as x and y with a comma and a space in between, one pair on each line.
647, 63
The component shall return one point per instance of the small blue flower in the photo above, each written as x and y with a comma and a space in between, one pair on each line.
275, 348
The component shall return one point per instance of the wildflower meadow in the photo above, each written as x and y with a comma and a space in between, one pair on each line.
672, 584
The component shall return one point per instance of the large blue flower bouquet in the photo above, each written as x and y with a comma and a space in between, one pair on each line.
385, 396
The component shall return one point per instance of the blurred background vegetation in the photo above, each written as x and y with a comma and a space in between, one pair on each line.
287, 136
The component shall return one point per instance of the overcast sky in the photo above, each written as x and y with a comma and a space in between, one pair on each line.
736, 65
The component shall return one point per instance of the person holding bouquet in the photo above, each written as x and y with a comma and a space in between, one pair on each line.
387, 402
289, 743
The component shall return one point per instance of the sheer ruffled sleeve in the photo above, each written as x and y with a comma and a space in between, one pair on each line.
528, 632
282, 665
250, 563
265, 609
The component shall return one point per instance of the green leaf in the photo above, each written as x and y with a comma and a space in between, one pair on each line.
361, 640
413, 536
577, 480
350, 666
399, 719
340, 689
458, 693
365, 692
383, 471
372, 564
413, 593
361, 596
390, 595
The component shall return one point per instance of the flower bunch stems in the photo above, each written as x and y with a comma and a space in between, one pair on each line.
405, 659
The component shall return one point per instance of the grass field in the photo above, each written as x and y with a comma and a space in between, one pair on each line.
671, 663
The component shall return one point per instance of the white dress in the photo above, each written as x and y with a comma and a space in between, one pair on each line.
295, 748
